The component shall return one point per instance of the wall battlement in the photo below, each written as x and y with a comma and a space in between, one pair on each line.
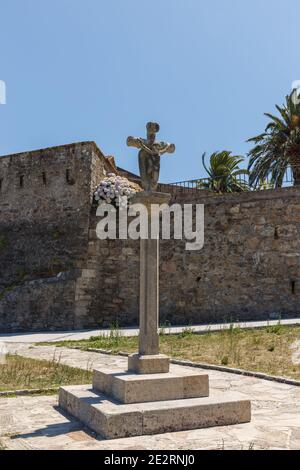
49, 181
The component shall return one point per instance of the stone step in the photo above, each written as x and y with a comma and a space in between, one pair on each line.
129, 387
113, 420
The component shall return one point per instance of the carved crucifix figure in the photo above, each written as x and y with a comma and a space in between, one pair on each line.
149, 156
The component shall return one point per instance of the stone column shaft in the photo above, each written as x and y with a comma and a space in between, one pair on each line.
148, 360
149, 297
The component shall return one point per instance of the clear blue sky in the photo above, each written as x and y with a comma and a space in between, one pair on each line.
206, 70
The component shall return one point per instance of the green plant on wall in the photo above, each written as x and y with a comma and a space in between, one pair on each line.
57, 234
7, 290
21, 272
3, 242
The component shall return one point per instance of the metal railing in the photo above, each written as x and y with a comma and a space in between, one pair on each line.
201, 184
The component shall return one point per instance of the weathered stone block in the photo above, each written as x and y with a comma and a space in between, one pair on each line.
196, 414
136, 388
114, 420
151, 364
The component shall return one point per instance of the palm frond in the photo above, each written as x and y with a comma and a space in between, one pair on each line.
276, 148
224, 173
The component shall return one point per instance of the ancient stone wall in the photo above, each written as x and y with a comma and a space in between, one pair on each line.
45, 200
56, 274
248, 269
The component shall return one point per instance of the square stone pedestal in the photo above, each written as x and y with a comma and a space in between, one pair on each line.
154, 364
128, 387
123, 403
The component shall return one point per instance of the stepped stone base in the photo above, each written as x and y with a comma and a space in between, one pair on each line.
123, 404
128, 387
112, 420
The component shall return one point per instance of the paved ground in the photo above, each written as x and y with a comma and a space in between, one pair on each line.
86, 334
38, 424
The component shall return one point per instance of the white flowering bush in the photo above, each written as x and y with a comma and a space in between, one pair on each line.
115, 190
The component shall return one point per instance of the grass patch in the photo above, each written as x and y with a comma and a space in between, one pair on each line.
25, 373
113, 344
265, 350
34, 393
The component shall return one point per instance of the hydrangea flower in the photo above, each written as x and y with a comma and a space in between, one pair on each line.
115, 190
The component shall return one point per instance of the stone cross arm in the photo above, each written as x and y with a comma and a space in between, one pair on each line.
157, 148
134, 142
165, 147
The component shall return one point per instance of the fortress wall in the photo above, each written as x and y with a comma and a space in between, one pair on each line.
38, 305
45, 203
56, 274
45, 184
248, 269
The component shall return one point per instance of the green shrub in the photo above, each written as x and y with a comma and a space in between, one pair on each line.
275, 329
225, 361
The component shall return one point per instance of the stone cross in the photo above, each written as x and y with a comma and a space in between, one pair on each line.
148, 360
149, 156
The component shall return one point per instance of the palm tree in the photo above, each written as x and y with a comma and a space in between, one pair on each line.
224, 173
278, 147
